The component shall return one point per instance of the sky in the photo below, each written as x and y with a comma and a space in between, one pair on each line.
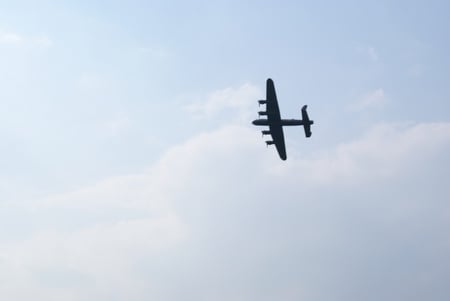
130, 169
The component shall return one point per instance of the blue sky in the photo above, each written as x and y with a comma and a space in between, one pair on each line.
130, 169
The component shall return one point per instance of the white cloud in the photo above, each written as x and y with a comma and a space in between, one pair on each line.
38, 41
372, 54
374, 99
10, 38
240, 99
97, 261
220, 216
385, 151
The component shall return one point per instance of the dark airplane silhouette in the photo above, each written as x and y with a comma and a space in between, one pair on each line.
275, 122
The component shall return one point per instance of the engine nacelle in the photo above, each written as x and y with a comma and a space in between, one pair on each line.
265, 133
263, 113
262, 102
269, 143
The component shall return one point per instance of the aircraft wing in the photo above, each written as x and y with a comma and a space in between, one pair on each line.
278, 139
274, 119
272, 102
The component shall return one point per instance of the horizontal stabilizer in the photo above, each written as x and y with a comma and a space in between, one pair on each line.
306, 121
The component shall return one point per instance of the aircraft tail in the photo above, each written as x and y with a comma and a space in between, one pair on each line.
306, 122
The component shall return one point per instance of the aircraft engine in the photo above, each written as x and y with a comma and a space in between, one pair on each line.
265, 133
269, 142
262, 113
262, 102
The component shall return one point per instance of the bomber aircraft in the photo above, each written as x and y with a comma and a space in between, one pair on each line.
275, 123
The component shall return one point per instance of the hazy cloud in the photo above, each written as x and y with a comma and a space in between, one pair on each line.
117, 125
415, 70
369, 52
239, 99
219, 216
372, 54
154, 52
374, 99
11, 38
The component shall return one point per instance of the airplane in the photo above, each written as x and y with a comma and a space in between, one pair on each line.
275, 123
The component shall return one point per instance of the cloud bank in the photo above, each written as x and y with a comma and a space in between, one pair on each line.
219, 217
